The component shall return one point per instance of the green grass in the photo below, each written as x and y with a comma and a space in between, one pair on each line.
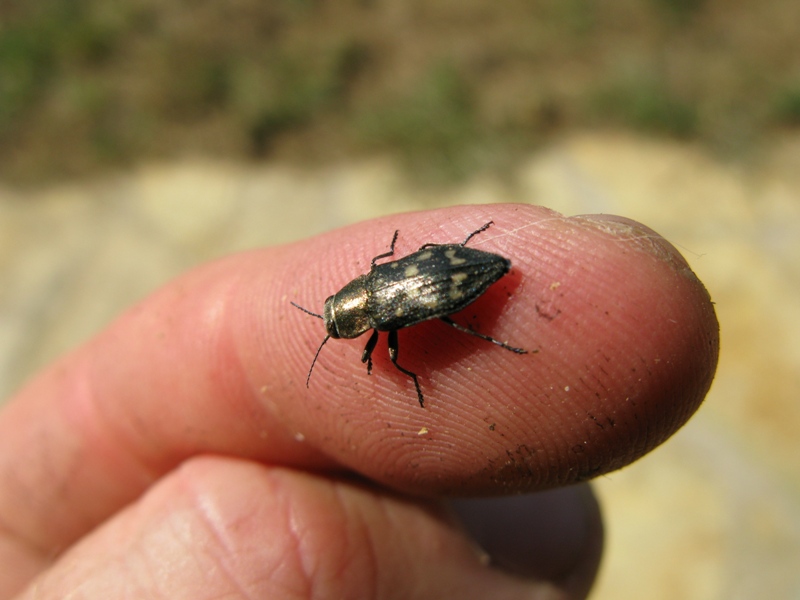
432, 126
448, 87
680, 10
644, 104
786, 105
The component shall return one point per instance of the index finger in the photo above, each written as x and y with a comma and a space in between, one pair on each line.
216, 362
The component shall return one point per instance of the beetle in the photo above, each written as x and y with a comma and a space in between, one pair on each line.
432, 283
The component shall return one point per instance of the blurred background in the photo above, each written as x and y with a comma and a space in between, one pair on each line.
139, 138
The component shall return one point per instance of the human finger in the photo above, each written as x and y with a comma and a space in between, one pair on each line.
216, 362
222, 527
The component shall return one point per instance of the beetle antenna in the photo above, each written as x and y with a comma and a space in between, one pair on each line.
308, 312
313, 362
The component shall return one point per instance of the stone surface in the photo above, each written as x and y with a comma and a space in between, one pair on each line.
712, 514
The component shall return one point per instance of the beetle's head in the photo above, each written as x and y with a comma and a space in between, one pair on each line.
345, 312
329, 319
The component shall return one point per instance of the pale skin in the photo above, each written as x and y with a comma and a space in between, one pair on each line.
179, 454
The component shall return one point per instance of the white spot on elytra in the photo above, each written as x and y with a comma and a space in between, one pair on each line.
429, 302
455, 289
425, 255
411, 271
454, 260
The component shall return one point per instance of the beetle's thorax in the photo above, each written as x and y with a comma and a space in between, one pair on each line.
345, 312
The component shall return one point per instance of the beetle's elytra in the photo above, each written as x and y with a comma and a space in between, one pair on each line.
435, 281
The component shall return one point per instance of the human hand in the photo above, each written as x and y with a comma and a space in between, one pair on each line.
179, 454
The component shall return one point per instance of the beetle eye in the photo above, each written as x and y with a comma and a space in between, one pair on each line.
327, 317
330, 326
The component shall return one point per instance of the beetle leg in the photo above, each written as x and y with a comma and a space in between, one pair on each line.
484, 337
464, 243
393, 349
366, 357
386, 254
477, 231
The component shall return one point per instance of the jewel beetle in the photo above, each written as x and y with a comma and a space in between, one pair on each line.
432, 283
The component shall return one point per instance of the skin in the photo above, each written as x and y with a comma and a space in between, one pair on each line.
179, 454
